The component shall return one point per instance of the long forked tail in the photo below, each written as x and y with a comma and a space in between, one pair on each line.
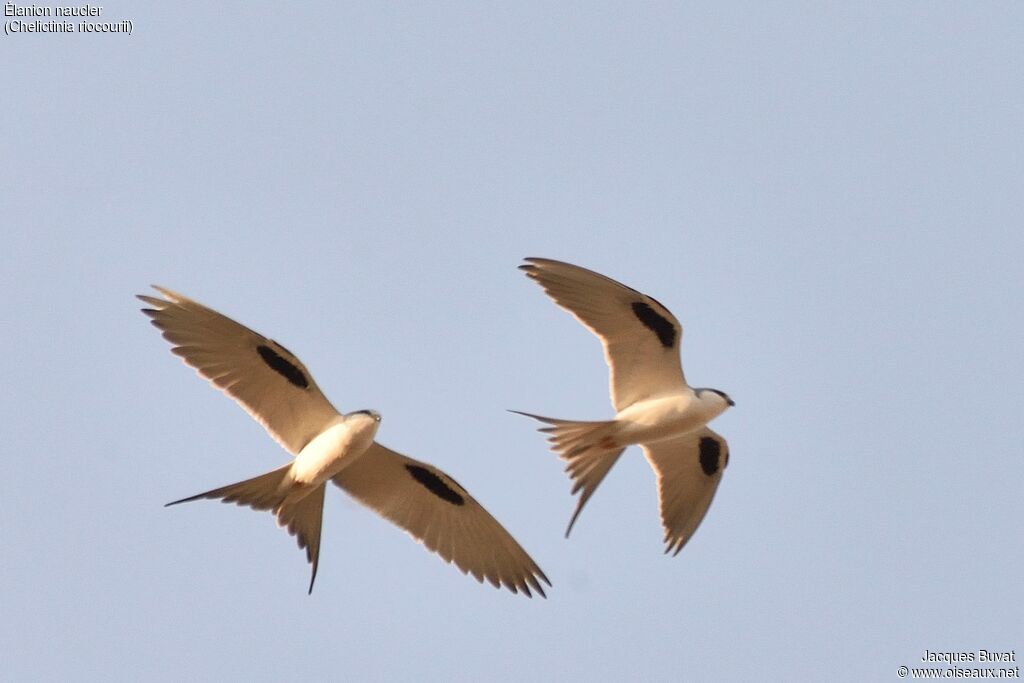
300, 514
589, 449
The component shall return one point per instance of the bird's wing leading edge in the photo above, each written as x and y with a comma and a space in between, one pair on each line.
689, 468
261, 375
435, 510
641, 337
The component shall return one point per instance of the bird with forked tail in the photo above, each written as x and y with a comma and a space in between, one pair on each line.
273, 385
655, 406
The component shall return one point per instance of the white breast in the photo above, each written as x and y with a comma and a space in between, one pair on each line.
332, 449
660, 418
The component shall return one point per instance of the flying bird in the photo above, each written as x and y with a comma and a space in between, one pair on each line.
655, 407
277, 390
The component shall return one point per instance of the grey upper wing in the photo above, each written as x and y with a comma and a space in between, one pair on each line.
689, 468
435, 510
641, 337
261, 375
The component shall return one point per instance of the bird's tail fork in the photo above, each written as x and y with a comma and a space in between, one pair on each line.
589, 449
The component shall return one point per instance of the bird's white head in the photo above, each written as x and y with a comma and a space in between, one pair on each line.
363, 425
364, 415
715, 402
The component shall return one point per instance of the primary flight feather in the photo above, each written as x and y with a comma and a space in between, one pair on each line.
655, 407
275, 388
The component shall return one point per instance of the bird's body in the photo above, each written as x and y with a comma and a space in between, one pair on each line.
666, 417
275, 388
344, 440
655, 407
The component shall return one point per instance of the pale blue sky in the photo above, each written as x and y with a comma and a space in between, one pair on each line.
828, 196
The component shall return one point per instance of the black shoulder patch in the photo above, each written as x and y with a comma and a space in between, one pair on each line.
656, 323
282, 366
710, 454
435, 485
